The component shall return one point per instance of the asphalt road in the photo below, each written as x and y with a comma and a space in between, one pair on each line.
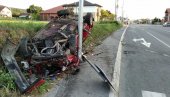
145, 68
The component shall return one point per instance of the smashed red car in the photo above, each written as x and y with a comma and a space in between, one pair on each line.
52, 50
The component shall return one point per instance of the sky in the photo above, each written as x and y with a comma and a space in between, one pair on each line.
133, 9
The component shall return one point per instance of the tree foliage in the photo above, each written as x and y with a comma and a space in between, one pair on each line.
34, 11
17, 12
145, 21
106, 15
65, 12
156, 20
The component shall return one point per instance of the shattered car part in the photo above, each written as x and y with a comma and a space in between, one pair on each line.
99, 72
22, 83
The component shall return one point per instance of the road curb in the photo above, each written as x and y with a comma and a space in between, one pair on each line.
116, 71
59, 87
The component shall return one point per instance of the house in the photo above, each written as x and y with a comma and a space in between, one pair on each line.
93, 8
5, 11
50, 13
167, 15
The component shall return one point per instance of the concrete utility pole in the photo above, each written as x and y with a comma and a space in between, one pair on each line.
123, 12
116, 9
80, 27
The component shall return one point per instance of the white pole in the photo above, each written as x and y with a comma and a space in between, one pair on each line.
80, 26
115, 10
123, 12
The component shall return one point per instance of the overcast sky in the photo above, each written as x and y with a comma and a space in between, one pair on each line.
134, 9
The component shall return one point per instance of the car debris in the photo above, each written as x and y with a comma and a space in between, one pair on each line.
52, 50
100, 72
22, 83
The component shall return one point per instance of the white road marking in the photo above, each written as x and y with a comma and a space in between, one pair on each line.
116, 73
151, 51
147, 44
152, 94
166, 55
135, 40
159, 40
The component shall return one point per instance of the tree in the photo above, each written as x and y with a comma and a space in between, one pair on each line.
65, 12
156, 20
106, 15
17, 12
34, 11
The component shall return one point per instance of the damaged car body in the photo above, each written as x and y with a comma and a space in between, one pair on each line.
52, 50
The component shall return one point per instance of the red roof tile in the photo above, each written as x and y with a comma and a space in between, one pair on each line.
53, 10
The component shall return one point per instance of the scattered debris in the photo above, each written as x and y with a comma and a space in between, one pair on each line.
129, 52
52, 50
97, 54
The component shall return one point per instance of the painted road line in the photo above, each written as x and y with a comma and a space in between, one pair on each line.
158, 39
152, 94
147, 44
116, 72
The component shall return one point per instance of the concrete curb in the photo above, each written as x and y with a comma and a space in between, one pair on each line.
116, 72
57, 89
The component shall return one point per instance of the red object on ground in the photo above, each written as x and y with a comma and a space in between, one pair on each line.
35, 85
73, 59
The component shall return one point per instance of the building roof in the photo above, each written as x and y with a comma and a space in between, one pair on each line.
86, 3
1, 7
167, 10
53, 10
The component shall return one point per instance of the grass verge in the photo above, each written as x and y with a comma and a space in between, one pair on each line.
100, 31
16, 29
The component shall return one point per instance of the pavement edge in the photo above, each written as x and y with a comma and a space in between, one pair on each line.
116, 71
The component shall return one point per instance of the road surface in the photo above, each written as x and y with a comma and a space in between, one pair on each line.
145, 68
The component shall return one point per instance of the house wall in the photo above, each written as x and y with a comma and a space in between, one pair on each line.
96, 11
48, 16
86, 9
6, 12
167, 17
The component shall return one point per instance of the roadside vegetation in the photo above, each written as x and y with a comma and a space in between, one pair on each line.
100, 31
15, 29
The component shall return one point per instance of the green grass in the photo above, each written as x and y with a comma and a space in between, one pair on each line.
100, 31
6, 83
15, 29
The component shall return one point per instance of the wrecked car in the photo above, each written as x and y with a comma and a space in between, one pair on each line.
52, 50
